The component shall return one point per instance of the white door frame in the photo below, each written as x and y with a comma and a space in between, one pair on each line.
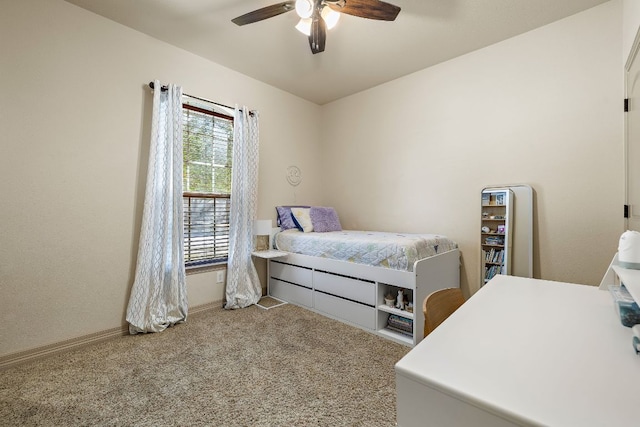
633, 220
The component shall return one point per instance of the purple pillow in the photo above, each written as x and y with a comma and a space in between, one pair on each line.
324, 219
285, 219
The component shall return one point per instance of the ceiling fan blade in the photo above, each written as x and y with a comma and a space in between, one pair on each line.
371, 9
264, 13
318, 35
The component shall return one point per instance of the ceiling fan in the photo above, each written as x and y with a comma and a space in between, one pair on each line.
316, 16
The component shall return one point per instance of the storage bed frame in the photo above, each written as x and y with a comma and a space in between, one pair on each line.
354, 293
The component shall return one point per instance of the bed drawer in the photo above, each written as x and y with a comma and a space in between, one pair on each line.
349, 311
291, 293
291, 273
345, 287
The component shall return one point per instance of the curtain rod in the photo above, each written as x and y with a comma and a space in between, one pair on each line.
164, 88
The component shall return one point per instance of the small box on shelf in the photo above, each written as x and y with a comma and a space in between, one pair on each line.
494, 240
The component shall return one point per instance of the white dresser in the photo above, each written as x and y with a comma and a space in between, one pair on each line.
524, 352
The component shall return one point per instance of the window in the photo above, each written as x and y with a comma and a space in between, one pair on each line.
207, 152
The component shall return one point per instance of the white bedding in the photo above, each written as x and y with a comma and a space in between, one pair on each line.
398, 251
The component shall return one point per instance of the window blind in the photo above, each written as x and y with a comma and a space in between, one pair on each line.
206, 228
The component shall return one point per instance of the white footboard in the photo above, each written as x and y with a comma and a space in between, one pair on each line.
354, 293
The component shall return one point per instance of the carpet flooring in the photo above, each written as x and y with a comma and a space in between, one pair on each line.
252, 367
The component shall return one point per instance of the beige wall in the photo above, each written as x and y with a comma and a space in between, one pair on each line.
409, 155
543, 108
74, 121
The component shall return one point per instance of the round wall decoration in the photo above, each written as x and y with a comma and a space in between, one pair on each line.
294, 176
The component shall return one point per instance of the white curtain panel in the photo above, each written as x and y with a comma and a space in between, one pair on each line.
159, 295
243, 283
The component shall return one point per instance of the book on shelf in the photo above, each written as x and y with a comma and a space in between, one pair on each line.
400, 323
494, 255
400, 331
491, 271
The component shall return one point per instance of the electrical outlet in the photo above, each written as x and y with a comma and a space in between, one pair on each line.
220, 277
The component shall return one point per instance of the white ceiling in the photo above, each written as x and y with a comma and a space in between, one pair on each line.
360, 53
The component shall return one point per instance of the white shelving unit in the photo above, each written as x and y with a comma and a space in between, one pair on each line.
496, 234
384, 311
631, 280
616, 275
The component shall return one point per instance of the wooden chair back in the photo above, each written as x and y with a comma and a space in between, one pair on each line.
439, 305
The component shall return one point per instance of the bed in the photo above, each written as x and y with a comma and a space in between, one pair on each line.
348, 274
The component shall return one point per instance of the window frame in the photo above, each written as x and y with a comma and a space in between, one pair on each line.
194, 266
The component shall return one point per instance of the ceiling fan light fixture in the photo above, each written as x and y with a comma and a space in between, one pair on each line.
304, 26
304, 8
330, 16
318, 16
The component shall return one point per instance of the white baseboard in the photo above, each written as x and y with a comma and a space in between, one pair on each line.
15, 359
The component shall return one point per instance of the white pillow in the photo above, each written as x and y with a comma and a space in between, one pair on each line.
302, 218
